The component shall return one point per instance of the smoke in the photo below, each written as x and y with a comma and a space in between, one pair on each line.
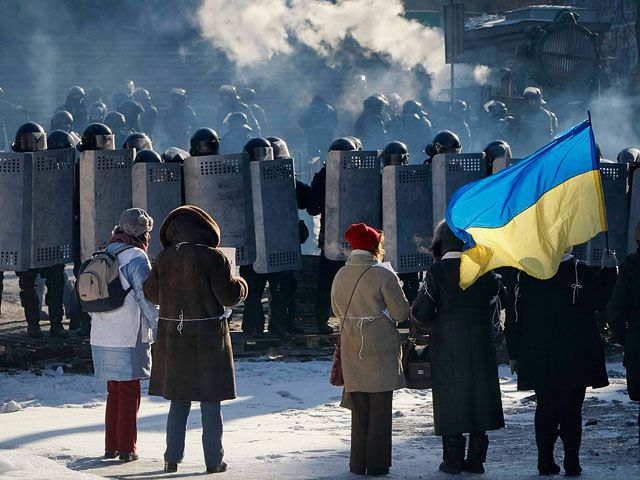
251, 32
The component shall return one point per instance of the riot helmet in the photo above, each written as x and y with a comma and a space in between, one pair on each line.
128, 86
412, 107
175, 155
142, 96
30, 137
533, 96
115, 121
395, 153
460, 106
75, 95
178, 97
445, 141
357, 142
248, 96
495, 108
97, 112
226, 92
59, 140
205, 141
375, 102
395, 103
280, 148
497, 149
342, 144
131, 111
139, 141
93, 95
147, 156
62, 120
629, 155
236, 120
258, 149
98, 136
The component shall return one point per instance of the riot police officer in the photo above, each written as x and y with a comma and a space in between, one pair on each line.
412, 128
445, 141
327, 269
118, 125
131, 111
370, 125
97, 112
499, 122
537, 124
248, 97
74, 104
59, 140
205, 141
179, 120
318, 122
230, 103
628, 155
496, 150
238, 133
147, 156
63, 120
139, 141
175, 155
31, 137
150, 114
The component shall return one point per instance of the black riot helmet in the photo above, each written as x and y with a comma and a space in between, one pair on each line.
342, 144
59, 140
629, 155
533, 96
175, 155
205, 141
497, 149
97, 136
131, 111
258, 149
445, 141
236, 120
248, 96
395, 153
280, 148
142, 96
147, 156
375, 102
62, 120
178, 97
139, 141
97, 111
75, 95
411, 107
357, 142
495, 108
30, 137
115, 121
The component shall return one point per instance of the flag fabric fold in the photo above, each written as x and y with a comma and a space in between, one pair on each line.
527, 215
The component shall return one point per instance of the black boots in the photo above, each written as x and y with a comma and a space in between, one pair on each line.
222, 467
57, 329
454, 446
546, 463
477, 453
571, 442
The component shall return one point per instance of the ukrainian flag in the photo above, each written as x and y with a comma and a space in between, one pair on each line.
527, 215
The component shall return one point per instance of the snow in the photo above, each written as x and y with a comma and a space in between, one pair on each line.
286, 424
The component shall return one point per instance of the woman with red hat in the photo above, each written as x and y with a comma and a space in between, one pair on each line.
368, 300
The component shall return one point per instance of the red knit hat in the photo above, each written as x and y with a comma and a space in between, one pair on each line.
362, 236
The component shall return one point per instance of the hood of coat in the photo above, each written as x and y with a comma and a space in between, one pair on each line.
189, 224
450, 243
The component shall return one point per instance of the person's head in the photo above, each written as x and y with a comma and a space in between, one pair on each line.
248, 96
115, 121
412, 107
136, 223
357, 142
205, 141
175, 155
375, 103
533, 96
75, 95
495, 109
139, 141
258, 149
444, 241
363, 237
131, 111
142, 96
227, 94
236, 120
342, 144
280, 148
97, 112
629, 155
178, 97
497, 149
62, 120
147, 156
445, 141
98, 136
30, 137
59, 140
395, 153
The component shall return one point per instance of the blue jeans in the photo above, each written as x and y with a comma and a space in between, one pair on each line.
211, 432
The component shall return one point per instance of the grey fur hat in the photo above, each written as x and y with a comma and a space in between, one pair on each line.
135, 222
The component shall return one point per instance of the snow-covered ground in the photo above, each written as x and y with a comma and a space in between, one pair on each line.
286, 424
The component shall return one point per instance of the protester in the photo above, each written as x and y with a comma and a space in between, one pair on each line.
368, 299
555, 348
121, 338
193, 360
466, 390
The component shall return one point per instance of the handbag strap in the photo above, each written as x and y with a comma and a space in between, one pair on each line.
351, 297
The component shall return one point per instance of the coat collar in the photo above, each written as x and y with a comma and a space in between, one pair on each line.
361, 257
451, 255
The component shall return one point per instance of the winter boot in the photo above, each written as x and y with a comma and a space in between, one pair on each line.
128, 456
546, 463
378, 471
222, 467
34, 331
57, 329
455, 454
170, 467
571, 441
110, 454
477, 453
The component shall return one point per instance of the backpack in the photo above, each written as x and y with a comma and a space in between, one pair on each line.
98, 283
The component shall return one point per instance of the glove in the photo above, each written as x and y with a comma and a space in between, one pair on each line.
609, 259
513, 365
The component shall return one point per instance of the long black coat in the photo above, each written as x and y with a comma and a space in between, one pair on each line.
623, 315
556, 342
466, 389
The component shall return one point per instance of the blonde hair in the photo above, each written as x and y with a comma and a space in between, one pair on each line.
378, 250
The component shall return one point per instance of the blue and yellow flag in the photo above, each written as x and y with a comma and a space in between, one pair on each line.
527, 215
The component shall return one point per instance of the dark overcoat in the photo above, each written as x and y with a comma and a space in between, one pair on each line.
192, 279
623, 316
551, 329
466, 389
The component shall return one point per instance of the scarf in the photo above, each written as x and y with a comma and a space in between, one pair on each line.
121, 237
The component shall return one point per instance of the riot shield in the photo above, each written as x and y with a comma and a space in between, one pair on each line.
353, 195
275, 214
157, 189
105, 192
53, 215
221, 186
451, 171
15, 188
407, 216
634, 211
614, 187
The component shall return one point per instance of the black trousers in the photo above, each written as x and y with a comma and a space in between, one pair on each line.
327, 270
1, 289
54, 278
280, 289
560, 408
370, 430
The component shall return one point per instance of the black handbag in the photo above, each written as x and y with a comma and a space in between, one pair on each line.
416, 363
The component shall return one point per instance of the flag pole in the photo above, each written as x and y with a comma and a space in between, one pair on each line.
606, 232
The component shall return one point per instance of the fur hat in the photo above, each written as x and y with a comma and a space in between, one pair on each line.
135, 222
